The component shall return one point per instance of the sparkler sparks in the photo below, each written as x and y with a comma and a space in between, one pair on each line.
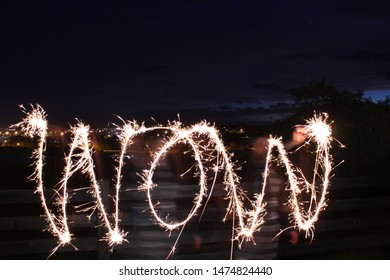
206, 144
35, 125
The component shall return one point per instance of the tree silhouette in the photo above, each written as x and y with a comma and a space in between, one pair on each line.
360, 124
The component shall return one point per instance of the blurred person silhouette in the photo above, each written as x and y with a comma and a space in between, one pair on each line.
206, 224
150, 240
265, 243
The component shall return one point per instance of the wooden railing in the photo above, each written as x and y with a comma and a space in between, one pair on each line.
355, 225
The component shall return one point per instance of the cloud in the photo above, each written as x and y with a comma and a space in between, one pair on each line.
269, 87
363, 56
363, 8
303, 56
150, 70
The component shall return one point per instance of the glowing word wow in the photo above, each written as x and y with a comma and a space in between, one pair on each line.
207, 146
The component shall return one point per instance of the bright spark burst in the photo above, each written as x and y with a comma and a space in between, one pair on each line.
206, 143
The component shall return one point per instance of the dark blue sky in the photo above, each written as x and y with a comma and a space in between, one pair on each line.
142, 59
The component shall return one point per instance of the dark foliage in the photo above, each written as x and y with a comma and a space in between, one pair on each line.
359, 123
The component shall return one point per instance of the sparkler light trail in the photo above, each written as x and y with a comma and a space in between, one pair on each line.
35, 125
207, 146
320, 132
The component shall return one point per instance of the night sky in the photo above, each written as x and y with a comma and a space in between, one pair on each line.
201, 59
